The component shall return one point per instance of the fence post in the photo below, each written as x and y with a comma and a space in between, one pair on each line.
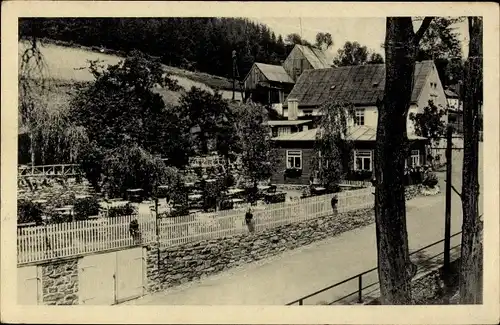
360, 288
447, 223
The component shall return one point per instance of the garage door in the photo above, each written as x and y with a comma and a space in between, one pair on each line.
28, 285
130, 270
96, 279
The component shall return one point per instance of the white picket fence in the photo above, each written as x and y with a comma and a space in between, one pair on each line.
73, 238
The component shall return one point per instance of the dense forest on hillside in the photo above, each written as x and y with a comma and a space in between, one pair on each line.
196, 44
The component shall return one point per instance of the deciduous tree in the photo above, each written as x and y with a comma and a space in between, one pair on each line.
429, 123
324, 40
258, 159
332, 146
470, 265
394, 266
353, 53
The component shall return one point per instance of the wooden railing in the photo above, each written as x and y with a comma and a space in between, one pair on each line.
49, 170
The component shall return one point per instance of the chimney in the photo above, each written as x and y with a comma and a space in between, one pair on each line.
293, 109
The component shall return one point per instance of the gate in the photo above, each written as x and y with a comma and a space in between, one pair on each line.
29, 287
130, 271
96, 278
110, 278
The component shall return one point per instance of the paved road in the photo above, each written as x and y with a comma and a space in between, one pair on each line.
294, 274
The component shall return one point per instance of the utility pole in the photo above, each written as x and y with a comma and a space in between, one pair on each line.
234, 72
447, 223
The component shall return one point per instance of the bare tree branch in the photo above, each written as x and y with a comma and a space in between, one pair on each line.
420, 32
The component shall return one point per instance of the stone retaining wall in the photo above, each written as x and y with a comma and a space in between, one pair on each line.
60, 282
193, 261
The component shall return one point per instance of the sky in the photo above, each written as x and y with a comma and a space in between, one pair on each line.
366, 31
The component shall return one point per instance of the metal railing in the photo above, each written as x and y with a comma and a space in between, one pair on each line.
359, 277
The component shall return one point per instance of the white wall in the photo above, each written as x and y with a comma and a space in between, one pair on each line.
430, 93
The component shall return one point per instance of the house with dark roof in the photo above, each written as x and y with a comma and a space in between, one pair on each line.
362, 86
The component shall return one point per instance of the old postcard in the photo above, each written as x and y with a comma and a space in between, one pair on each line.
210, 162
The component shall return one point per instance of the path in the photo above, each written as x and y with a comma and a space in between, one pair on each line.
280, 280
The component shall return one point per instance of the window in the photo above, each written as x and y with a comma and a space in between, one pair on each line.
274, 132
415, 158
284, 130
294, 159
359, 118
363, 160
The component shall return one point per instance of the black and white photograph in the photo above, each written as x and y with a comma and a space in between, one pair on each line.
246, 160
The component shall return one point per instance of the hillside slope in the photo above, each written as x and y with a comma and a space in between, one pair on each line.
67, 65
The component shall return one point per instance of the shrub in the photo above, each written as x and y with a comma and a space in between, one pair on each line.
359, 175
86, 207
293, 172
131, 166
430, 179
229, 180
59, 218
226, 205
124, 210
178, 212
275, 198
58, 201
28, 211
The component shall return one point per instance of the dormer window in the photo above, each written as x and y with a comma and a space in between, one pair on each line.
375, 84
332, 87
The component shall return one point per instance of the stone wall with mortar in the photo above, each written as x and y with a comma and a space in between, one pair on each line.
193, 261
60, 282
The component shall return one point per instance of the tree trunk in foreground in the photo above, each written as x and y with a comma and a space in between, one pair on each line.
390, 209
470, 266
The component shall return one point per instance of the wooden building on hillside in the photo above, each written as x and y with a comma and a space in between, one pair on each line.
270, 84
267, 84
303, 58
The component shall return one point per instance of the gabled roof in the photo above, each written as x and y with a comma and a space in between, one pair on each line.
274, 73
360, 84
354, 133
315, 56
